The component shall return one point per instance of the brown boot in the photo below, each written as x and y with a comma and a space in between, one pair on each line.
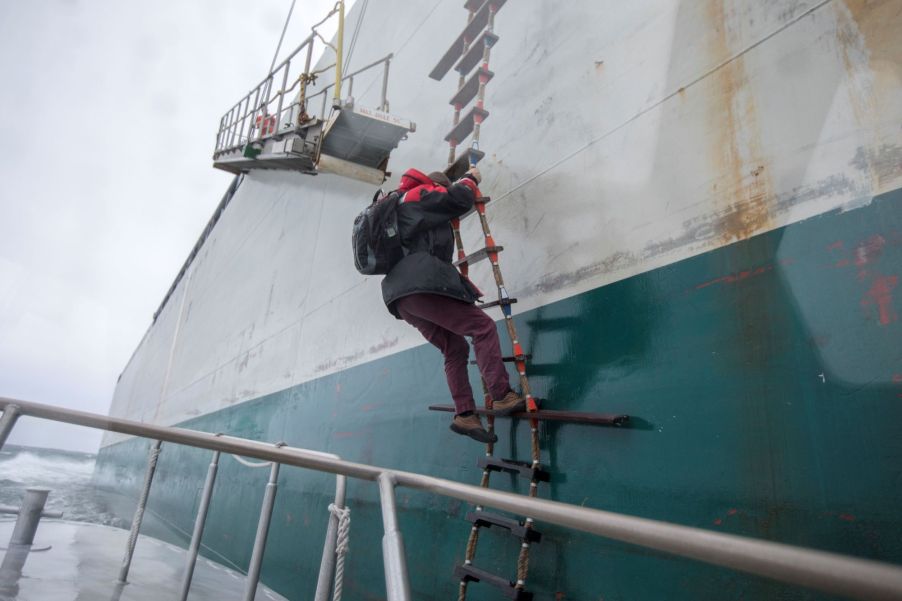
471, 426
511, 403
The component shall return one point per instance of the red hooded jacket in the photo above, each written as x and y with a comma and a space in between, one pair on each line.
424, 218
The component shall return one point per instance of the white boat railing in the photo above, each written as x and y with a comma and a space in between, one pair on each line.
827, 572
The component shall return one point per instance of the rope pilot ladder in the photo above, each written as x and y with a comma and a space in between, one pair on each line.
469, 55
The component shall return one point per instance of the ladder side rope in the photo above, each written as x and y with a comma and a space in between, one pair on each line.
523, 559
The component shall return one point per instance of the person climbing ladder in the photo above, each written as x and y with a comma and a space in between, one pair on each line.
425, 290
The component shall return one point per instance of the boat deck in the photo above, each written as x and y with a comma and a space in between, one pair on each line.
83, 563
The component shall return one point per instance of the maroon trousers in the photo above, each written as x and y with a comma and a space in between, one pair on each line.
444, 322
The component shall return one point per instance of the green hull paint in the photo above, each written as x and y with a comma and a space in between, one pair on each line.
764, 381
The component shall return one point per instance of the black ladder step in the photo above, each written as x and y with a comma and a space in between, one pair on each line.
479, 255
520, 468
461, 165
468, 91
465, 126
487, 519
497, 303
474, 54
477, 24
473, 574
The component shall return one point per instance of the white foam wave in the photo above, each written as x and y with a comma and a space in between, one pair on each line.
67, 475
31, 469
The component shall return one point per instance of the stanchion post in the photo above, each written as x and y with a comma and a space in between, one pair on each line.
199, 523
397, 586
269, 500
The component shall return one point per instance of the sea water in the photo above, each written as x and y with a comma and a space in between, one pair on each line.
68, 476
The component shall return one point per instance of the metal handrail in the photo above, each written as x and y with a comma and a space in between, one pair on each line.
828, 572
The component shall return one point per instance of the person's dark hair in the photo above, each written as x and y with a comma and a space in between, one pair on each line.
440, 178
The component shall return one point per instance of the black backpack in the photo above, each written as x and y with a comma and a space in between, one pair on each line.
376, 238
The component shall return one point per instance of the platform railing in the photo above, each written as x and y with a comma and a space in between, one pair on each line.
349, 78
264, 111
253, 117
827, 572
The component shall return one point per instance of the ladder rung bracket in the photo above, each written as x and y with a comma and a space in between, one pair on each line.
472, 5
477, 24
519, 468
479, 255
468, 91
487, 519
510, 359
474, 54
479, 201
471, 573
548, 415
465, 126
501, 302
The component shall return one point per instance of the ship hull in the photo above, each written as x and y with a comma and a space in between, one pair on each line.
701, 209
761, 384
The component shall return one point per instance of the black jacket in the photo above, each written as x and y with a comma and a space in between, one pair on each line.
424, 218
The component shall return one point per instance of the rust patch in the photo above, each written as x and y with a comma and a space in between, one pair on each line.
740, 276
742, 188
878, 23
705, 228
880, 296
870, 49
877, 297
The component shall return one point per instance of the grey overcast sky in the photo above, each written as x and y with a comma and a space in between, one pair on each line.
108, 115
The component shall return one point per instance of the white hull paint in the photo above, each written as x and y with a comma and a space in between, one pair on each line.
622, 137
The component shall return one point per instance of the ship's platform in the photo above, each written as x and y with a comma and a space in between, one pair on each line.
83, 563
